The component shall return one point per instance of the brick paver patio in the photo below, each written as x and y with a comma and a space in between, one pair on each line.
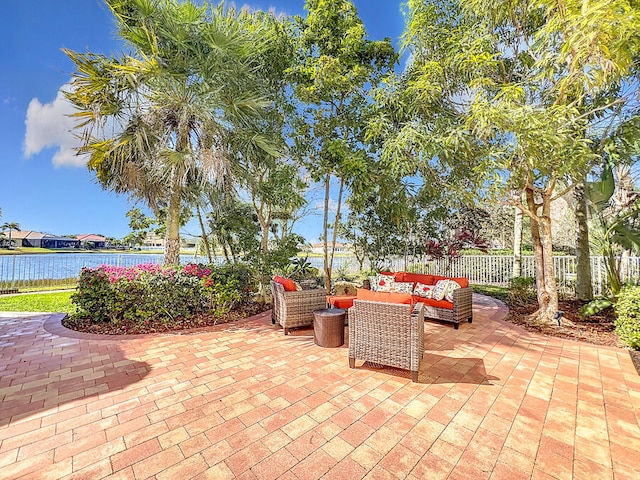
244, 401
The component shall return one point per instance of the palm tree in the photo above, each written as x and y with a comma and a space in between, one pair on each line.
160, 119
10, 226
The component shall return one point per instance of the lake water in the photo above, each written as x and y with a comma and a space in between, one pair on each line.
23, 269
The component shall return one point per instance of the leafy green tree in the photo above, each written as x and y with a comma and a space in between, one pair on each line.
140, 225
159, 118
337, 67
511, 90
276, 192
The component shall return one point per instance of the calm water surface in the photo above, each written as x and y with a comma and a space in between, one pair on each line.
55, 266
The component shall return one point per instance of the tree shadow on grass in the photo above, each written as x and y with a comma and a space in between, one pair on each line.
44, 366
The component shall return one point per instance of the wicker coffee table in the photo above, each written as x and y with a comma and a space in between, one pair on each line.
328, 327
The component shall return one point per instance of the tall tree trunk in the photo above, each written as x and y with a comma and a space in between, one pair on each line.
172, 239
584, 287
264, 241
325, 233
264, 222
336, 226
205, 237
517, 243
546, 287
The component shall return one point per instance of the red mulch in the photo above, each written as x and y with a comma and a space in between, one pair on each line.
128, 328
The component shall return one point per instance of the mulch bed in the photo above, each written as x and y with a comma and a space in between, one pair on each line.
597, 329
180, 324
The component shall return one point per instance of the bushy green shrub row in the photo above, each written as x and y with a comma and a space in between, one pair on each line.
148, 292
628, 312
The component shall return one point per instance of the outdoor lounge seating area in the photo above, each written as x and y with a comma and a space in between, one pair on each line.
240, 400
447, 299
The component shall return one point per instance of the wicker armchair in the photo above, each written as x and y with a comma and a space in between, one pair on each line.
388, 334
295, 309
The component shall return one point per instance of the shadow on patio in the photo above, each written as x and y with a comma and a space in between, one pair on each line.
42, 371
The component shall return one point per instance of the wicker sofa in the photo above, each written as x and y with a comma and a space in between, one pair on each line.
455, 310
458, 308
387, 333
295, 308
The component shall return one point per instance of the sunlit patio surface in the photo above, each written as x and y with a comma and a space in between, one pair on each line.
244, 401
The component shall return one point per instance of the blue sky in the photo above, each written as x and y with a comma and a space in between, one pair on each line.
43, 186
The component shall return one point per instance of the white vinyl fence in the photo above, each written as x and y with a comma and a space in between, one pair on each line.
497, 270
31, 270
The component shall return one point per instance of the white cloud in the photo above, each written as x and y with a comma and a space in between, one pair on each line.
50, 126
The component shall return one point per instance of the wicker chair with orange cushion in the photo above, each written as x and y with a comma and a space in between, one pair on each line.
295, 308
387, 331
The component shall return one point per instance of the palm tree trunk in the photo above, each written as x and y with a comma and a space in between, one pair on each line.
172, 240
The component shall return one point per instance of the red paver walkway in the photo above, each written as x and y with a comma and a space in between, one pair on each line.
244, 401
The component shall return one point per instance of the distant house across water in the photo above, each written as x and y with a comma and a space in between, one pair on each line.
91, 240
31, 238
340, 248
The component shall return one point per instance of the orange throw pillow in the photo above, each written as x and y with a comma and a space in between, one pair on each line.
288, 284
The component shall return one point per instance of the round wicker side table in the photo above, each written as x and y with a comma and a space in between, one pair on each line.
328, 327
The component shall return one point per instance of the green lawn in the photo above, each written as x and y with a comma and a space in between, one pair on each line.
38, 302
501, 293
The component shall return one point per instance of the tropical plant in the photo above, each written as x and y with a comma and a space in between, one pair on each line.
301, 269
628, 316
149, 292
614, 226
451, 246
160, 118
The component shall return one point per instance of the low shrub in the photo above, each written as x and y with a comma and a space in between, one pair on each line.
522, 290
628, 311
143, 293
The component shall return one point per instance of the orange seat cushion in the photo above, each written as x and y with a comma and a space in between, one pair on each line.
433, 303
341, 301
